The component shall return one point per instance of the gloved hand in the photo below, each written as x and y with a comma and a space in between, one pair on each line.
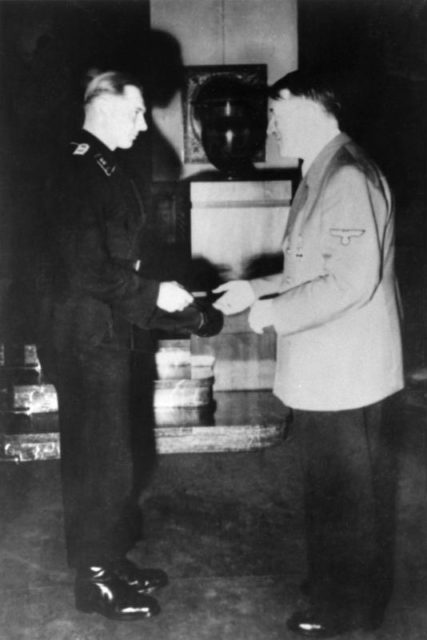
238, 296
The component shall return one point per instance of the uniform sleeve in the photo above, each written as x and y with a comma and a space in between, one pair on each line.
266, 286
84, 233
354, 214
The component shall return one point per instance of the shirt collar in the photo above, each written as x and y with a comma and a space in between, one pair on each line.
317, 167
102, 154
95, 144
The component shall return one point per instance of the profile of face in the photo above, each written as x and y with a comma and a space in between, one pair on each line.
289, 123
126, 117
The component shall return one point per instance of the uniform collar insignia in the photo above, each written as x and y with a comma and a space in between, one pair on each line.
98, 150
108, 167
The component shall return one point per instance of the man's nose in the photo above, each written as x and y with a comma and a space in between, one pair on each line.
142, 123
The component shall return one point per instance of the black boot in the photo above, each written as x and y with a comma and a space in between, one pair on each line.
100, 590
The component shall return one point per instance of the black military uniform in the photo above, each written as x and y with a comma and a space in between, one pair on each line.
91, 296
94, 296
97, 294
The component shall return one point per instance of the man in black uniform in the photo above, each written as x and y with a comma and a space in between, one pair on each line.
97, 295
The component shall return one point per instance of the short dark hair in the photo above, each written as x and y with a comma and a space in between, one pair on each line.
113, 82
319, 87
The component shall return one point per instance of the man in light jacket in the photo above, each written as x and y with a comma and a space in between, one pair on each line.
339, 359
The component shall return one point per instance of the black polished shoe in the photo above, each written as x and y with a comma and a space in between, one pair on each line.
315, 623
143, 580
99, 590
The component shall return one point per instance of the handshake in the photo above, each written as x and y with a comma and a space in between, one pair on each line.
178, 312
237, 296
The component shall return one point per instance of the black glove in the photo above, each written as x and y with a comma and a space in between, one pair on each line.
199, 318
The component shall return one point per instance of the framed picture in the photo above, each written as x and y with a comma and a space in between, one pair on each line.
252, 75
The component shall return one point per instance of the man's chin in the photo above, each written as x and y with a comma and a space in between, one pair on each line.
126, 145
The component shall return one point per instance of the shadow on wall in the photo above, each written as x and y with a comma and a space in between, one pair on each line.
165, 79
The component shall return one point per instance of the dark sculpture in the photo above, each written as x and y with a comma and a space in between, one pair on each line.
230, 116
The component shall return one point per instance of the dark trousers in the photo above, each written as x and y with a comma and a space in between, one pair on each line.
107, 445
349, 466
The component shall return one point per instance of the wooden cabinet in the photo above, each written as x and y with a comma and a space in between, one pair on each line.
237, 228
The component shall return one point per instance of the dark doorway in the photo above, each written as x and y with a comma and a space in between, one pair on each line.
378, 49
46, 49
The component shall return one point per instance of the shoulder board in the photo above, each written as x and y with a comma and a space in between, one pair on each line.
80, 148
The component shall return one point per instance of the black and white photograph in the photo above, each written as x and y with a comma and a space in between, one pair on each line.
213, 319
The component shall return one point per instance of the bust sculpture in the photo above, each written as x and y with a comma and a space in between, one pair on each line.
230, 118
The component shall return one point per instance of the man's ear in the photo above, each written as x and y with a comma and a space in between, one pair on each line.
104, 104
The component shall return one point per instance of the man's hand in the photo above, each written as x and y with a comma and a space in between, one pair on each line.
260, 316
173, 297
238, 296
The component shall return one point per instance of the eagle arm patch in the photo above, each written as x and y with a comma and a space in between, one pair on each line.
346, 235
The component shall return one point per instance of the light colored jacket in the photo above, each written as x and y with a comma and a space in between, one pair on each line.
337, 312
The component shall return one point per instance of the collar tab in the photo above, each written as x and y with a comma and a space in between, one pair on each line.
107, 167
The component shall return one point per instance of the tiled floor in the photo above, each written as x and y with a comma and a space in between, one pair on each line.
226, 527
